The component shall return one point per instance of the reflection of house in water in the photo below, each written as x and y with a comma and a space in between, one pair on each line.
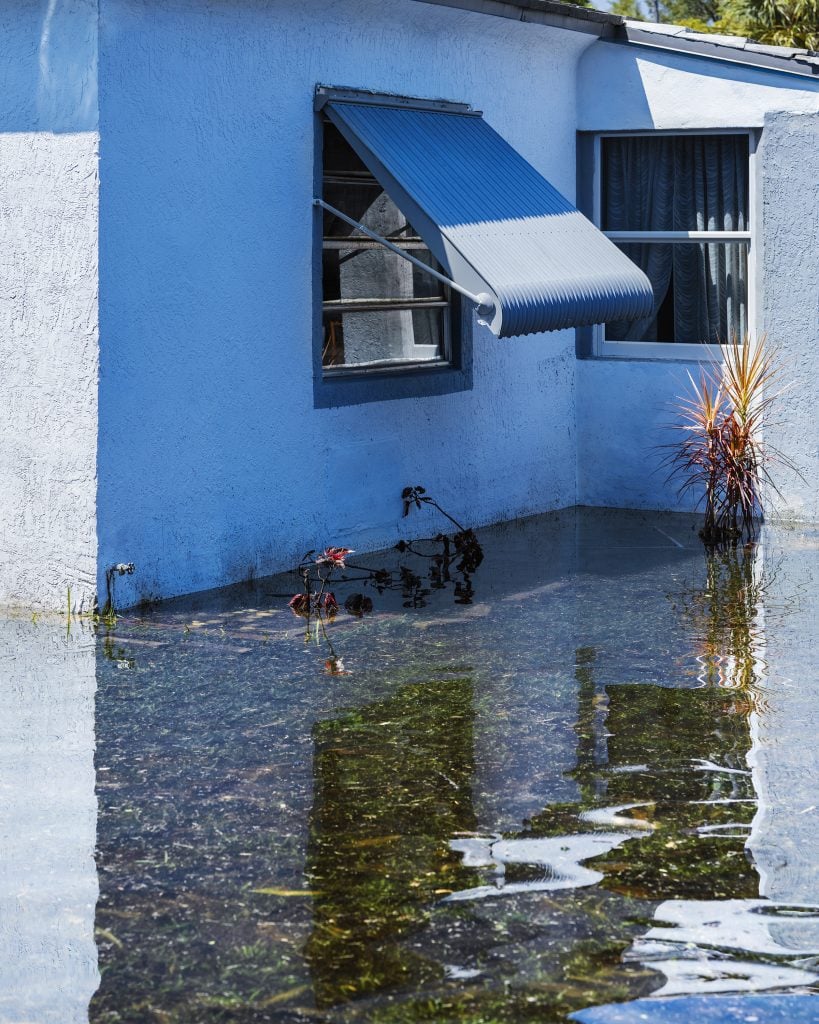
708, 942
392, 786
651, 819
667, 767
48, 813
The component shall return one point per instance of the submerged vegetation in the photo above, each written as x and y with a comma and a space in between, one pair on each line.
449, 560
274, 849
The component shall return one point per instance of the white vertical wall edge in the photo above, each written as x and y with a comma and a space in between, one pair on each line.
48, 368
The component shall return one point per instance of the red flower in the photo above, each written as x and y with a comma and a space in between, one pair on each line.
305, 604
300, 604
334, 557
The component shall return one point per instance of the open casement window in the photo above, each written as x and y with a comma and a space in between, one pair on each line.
379, 311
678, 205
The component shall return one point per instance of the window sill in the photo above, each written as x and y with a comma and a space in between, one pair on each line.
587, 346
658, 352
384, 384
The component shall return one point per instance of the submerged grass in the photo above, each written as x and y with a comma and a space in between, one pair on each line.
274, 843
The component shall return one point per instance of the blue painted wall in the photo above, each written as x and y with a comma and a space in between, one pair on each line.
48, 70
213, 461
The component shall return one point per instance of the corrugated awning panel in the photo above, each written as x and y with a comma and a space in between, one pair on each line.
493, 221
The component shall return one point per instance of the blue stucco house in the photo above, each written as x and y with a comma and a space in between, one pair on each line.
209, 360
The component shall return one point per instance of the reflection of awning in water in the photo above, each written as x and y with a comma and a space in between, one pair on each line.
750, 926
558, 858
501, 230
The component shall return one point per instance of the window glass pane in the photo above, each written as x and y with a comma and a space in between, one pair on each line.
700, 293
382, 338
675, 183
373, 272
379, 309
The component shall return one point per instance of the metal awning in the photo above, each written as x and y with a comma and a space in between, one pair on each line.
493, 223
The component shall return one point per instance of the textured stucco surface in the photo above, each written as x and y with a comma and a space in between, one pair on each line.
48, 368
625, 417
48, 817
48, 302
625, 407
790, 298
48, 65
213, 462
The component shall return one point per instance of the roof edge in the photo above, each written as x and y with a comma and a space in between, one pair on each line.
732, 50
614, 29
552, 13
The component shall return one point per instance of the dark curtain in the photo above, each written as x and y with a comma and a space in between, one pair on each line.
682, 183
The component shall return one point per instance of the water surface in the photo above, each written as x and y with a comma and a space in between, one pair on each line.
581, 781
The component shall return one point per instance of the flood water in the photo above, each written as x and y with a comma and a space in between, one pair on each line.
580, 783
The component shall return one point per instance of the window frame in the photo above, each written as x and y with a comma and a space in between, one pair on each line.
336, 386
593, 342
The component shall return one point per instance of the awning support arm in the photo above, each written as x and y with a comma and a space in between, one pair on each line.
484, 301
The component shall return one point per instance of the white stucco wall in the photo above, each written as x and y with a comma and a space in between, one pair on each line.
48, 302
789, 312
624, 407
213, 461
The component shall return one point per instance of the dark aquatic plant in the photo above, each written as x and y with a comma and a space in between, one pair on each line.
464, 540
452, 561
307, 604
722, 453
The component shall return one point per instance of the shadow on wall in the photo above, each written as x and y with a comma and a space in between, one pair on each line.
48, 77
659, 90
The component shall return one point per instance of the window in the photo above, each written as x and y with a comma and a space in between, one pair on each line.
385, 327
679, 207
379, 311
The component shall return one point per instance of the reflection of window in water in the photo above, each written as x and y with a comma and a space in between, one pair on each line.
679, 758
667, 797
659, 743
393, 783
642, 754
